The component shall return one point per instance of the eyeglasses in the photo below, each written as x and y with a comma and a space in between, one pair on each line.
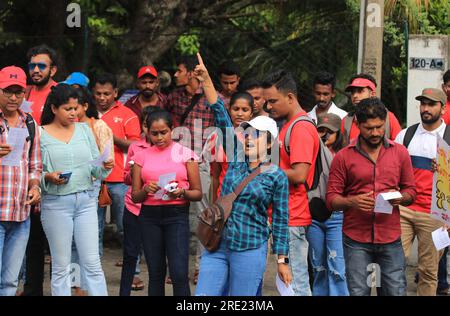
254, 133
41, 66
18, 94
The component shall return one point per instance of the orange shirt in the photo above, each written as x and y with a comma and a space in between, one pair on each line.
38, 97
395, 127
124, 124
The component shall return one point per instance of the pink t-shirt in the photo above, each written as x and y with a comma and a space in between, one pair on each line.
157, 162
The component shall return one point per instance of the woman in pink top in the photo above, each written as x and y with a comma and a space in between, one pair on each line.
164, 216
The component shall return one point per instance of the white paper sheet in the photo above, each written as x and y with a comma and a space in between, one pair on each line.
164, 180
282, 288
102, 158
16, 138
440, 238
382, 204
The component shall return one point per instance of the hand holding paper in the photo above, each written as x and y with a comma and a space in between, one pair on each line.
440, 238
383, 202
282, 288
16, 138
98, 162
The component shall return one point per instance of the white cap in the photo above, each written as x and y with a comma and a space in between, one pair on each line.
262, 123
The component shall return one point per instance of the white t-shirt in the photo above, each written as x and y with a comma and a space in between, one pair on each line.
333, 109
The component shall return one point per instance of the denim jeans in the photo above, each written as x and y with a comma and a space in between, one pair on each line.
390, 266
165, 233
327, 256
240, 271
13, 244
442, 272
132, 245
298, 260
117, 192
64, 217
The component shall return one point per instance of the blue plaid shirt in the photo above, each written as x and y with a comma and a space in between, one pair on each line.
247, 226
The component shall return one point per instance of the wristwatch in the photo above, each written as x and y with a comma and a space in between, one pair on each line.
284, 260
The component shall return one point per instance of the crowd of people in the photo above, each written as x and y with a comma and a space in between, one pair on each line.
158, 159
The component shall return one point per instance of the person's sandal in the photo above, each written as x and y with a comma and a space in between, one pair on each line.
137, 284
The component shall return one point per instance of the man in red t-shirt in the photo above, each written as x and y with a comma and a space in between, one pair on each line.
446, 88
280, 92
126, 129
363, 86
42, 67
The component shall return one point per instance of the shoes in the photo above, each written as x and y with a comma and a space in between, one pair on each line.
79, 292
137, 284
443, 291
119, 263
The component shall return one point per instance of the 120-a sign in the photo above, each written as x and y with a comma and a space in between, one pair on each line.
426, 63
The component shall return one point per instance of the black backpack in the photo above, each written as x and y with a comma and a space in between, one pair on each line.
31, 126
410, 131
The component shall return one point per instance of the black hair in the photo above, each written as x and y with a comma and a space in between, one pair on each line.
250, 84
160, 115
446, 77
370, 108
58, 96
43, 49
242, 95
339, 142
105, 78
229, 68
189, 61
147, 111
282, 80
325, 78
86, 97
363, 76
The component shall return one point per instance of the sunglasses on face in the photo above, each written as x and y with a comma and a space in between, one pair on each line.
41, 66
254, 133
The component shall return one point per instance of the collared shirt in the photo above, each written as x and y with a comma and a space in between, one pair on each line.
422, 150
135, 104
333, 109
124, 124
247, 227
197, 122
353, 172
14, 180
393, 122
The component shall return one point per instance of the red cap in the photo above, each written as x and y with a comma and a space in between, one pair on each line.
11, 76
361, 83
147, 70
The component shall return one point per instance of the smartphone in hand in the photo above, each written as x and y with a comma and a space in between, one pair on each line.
65, 175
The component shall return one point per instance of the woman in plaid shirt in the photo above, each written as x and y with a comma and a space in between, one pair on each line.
239, 263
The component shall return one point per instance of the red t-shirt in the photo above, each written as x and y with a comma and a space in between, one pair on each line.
304, 146
124, 124
395, 127
38, 97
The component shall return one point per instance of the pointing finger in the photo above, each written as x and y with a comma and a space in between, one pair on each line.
200, 59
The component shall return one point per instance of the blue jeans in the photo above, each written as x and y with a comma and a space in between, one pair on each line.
240, 271
64, 217
390, 266
13, 244
132, 245
442, 271
165, 233
327, 256
298, 260
117, 192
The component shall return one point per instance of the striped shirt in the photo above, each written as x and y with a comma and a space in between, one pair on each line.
247, 225
14, 180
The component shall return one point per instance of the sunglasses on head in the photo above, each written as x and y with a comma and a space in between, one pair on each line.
41, 66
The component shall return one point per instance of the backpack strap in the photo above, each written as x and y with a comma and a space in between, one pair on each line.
287, 138
410, 131
387, 125
31, 126
348, 121
194, 101
249, 178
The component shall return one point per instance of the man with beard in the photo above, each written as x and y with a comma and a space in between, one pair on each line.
147, 84
420, 139
323, 85
363, 86
42, 68
371, 164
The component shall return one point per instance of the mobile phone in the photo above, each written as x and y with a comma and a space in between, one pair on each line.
65, 175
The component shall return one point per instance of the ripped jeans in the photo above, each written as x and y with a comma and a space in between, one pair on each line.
326, 255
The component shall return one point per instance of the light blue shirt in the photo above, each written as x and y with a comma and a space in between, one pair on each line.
71, 157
